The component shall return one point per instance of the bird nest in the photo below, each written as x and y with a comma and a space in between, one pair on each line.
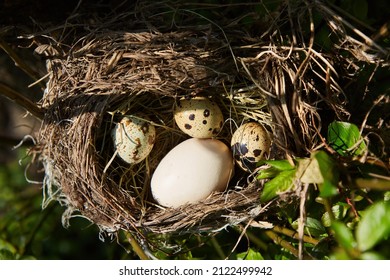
141, 61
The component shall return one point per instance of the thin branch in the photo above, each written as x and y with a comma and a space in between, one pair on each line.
19, 62
302, 219
257, 241
280, 241
136, 247
21, 100
294, 234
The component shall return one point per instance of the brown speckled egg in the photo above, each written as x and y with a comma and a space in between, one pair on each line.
198, 117
250, 143
133, 139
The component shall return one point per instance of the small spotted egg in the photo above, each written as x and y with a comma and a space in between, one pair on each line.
198, 117
250, 143
133, 139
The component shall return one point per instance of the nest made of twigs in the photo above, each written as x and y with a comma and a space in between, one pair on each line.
142, 68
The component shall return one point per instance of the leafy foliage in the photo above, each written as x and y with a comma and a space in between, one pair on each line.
28, 232
374, 226
319, 169
355, 225
345, 139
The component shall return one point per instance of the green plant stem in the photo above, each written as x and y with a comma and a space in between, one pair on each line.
136, 247
257, 241
294, 234
21, 100
218, 248
328, 208
373, 183
280, 241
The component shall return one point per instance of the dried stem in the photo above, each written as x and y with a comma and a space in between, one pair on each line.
19, 62
302, 218
21, 100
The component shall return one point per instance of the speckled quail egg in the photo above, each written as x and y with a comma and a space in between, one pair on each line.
133, 139
250, 143
198, 117
191, 171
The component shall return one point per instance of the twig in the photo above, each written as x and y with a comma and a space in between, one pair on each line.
382, 183
257, 241
294, 234
19, 61
243, 232
21, 100
366, 39
136, 247
280, 241
302, 219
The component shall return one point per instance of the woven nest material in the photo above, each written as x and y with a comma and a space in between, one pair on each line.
140, 74
142, 68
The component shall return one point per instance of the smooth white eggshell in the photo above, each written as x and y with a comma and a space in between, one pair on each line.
191, 171
133, 139
198, 117
250, 143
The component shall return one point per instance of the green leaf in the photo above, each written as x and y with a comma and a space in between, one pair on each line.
275, 167
320, 169
327, 166
282, 183
327, 189
7, 246
343, 235
344, 138
278, 164
309, 171
268, 173
313, 227
250, 255
386, 196
339, 210
7, 255
374, 226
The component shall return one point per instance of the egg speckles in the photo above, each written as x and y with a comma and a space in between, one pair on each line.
250, 143
198, 117
133, 139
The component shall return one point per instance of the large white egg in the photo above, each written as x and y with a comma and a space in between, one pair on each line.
133, 139
191, 171
198, 117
